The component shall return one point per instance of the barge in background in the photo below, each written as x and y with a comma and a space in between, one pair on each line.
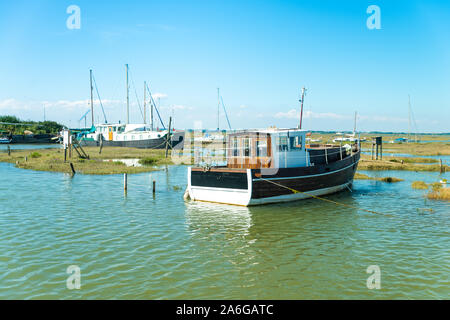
274, 165
130, 135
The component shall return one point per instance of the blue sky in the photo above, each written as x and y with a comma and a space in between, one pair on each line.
260, 54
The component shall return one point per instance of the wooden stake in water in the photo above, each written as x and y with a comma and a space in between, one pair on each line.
73, 169
441, 168
9, 150
154, 186
125, 183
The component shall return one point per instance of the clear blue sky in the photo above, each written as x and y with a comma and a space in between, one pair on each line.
260, 54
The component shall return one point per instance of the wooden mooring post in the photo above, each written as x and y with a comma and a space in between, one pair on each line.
72, 168
125, 183
441, 167
101, 144
9, 150
154, 187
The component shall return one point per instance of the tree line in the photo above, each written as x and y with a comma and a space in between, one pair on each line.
14, 125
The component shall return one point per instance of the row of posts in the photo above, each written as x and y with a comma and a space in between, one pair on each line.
125, 184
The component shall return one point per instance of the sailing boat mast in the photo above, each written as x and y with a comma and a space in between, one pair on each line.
354, 126
92, 98
218, 108
409, 118
145, 119
301, 108
128, 98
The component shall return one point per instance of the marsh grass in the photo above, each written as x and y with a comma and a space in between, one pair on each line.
420, 185
440, 194
414, 164
53, 160
362, 176
148, 161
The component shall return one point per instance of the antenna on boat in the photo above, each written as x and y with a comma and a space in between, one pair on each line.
301, 106
128, 98
92, 98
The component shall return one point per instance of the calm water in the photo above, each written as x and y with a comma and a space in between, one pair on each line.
140, 247
29, 146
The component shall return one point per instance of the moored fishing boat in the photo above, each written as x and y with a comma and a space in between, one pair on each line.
275, 165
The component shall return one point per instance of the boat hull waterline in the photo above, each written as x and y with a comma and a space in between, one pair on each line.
247, 187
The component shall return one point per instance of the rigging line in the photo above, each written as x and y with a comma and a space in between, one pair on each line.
326, 200
99, 99
226, 115
135, 92
154, 105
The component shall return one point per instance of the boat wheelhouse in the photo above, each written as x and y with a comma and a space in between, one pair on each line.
274, 165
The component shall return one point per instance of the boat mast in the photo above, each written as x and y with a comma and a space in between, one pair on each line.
145, 119
409, 118
128, 98
92, 98
301, 108
218, 108
354, 126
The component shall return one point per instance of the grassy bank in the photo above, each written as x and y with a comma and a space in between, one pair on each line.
437, 145
53, 160
440, 194
393, 163
362, 176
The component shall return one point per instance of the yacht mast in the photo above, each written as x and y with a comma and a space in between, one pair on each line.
128, 98
145, 119
301, 108
218, 108
409, 118
92, 98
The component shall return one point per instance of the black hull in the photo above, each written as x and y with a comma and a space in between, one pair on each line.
160, 143
30, 139
286, 184
304, 179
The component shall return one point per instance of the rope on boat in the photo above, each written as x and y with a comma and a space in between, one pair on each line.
324, 199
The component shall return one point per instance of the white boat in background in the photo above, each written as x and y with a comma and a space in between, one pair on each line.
138, 135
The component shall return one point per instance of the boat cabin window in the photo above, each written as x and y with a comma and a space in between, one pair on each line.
295, 143
282, 143
261, 148
235, 150
246, 147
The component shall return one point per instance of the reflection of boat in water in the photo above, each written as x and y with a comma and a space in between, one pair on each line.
207, 216
274, 165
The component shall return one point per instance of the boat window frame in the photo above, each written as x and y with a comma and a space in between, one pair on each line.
257, 148
234, 147
293, 147
279, 144
244, 148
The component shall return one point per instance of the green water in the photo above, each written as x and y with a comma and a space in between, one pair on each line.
140, 247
